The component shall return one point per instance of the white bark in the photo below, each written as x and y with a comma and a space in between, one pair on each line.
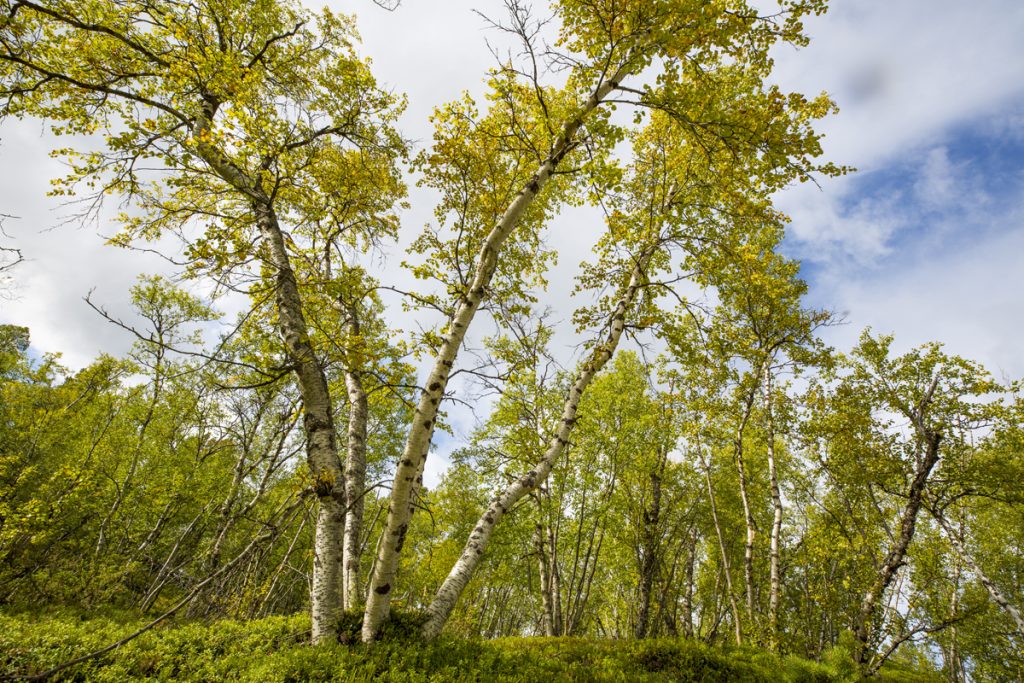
991, 587
726, 570
443, 603
321, 445
410, 468
318, 419
775, 581
355, 489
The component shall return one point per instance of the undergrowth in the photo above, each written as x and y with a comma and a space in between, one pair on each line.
276, 649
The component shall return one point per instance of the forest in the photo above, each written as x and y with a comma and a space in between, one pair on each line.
701, 489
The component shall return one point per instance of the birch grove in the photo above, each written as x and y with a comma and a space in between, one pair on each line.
696, 463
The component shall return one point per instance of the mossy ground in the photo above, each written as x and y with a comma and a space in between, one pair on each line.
275, 649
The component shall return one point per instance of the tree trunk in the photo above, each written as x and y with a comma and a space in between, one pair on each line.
691, 562
897, 555
651, 555
993, 590
748, 515
318, 424
546, 593
318, 417
355, 487
410, 468
774, 579
737, 627
443, 603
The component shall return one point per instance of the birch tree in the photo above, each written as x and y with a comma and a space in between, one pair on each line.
226, 126
897, 417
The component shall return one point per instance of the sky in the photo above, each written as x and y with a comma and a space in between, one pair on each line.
925, 241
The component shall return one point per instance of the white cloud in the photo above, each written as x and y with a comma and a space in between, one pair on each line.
969, 299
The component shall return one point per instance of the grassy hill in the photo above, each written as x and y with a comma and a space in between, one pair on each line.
275, 650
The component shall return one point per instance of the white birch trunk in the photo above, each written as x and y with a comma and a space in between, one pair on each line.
991, 587
318, 419
410, 467
443, 603
775, 581
355, 489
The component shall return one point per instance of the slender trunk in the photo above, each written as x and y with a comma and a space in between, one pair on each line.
575, 619
650, 556
897, 555
546, 597
160, 580
265, 601
997, 595
775, 580
410, 467
140, 440
748, 511
953, 654
691, 561
355, 488
455, 583
556, 582
725, 557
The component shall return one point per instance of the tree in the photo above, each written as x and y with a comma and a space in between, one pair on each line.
254, 115
892, 419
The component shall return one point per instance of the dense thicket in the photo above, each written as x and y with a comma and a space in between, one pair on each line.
727, 480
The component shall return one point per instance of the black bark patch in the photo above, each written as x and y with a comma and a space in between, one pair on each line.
383, 590
435, 386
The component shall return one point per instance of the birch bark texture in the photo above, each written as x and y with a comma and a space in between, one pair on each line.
355, 488
444, 601
318, 415
409, 473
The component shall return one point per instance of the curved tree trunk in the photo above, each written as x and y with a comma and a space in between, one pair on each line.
443, 603
318, 424
993, 590
409, 472
318, 416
